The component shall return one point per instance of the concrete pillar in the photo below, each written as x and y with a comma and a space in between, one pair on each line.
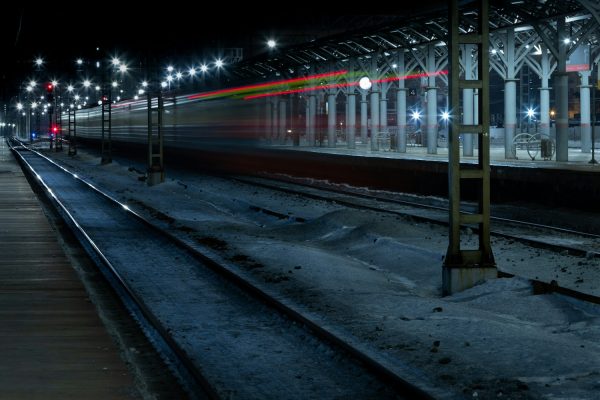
268, 120
510, 117
374, 119
510, 96
351, 121
331, 114
401, 118
432, 113
584, 98
467, 100
545, 94
282, 121
401, 104
364, 118
383, 107
312, 119
561, 91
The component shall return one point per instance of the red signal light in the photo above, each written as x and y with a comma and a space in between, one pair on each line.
55, 129
50, 87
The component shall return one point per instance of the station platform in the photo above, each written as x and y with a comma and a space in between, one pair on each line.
52, 341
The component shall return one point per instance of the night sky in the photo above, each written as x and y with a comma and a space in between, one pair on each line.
172, 34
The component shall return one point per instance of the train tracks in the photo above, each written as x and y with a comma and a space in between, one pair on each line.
224, 337
560, 240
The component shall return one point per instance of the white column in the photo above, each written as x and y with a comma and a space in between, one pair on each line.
510, 96
364, 118
561, 92
351, 123
312, 112
401, 105
432, 114
374, 118
331, 114
545, 94
584, 98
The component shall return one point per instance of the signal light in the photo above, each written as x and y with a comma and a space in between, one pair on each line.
50, 87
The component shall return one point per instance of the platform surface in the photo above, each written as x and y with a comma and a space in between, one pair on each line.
53, 344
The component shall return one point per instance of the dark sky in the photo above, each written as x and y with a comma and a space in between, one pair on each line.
172, 32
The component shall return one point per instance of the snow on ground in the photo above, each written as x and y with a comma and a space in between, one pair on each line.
378, 278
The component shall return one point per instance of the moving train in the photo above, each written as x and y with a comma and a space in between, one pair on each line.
189, 121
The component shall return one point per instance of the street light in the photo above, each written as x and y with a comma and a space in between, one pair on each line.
271, 43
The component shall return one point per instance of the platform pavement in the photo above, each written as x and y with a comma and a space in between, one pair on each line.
52, 341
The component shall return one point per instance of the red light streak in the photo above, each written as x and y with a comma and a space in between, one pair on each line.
342, 85
266, 85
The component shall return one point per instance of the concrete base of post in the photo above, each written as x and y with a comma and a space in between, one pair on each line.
457, 279
155, 177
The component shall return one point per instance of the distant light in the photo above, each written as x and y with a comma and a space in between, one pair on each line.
32, 83
76, 97
29, 88
115, 84
99, 102
394, 65
34, 105
271, 43
19, 106
416, 115
24, 114
494, 51
445, 115
141, 91
204, 68
97, 64
115, 61
79, 106
169, 78
163, 84
70, 88
79, 61
145, 83
87, 83
566, 40
192, 71
179, 75
118, 98
136, 97
55, 83
289, 131
97, 87
365, 83
123, 68
530, 112
39, 61
219, 63
170, 68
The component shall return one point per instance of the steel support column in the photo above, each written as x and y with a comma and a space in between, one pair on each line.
401, 104
374, 118
331, 118
561, 91
510, 96
464, 268
383, 108
545, 93
351, 124
584, 98
364, 118
432, 112
312, 119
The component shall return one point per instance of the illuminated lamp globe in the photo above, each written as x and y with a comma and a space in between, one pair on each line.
365, 83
